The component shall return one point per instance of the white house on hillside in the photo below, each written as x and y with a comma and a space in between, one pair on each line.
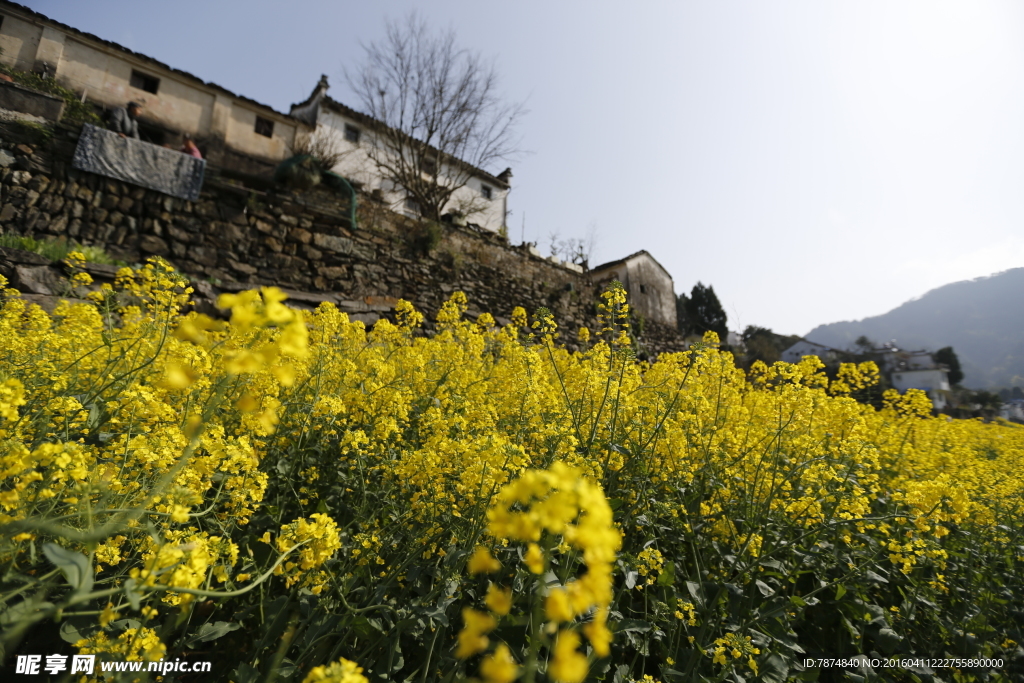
802, 348
918, 370
353, 134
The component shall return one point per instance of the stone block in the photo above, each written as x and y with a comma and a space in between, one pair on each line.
31, 197
20, 177
151, 244
109, 202
36, 280
342, 245
207, 256
242, 267
58, 225
272, 243
300, 235
39, 183
125, 205
206, 209
174, 232
6, 158
333, 272
233, 233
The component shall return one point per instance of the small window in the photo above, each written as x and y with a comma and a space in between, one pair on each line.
352, 133
264, 127
412, 205
429, 166
144, 82
643, 289
486, 191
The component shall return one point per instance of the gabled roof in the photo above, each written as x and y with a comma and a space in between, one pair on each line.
144, 58
624, 259
371, 122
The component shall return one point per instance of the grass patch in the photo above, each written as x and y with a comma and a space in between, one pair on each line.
58, 250
74, 110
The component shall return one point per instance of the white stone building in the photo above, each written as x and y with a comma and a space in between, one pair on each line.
796, 352
353, 133
934, 381
650, 287
232, 131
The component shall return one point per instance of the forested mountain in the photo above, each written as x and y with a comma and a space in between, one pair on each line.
982, 319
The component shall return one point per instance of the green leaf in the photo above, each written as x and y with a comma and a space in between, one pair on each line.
133, 595
887, 640
765, 589
840, 591
667, 577
24, 609
797, 601
69, 634
635, 625
208, 632
774, 669
74, 566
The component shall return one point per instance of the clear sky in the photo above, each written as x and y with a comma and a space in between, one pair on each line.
814, 161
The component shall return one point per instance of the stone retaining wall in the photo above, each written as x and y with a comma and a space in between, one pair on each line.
236, 237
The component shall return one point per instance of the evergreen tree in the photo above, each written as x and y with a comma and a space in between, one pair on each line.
947, 356
704, 312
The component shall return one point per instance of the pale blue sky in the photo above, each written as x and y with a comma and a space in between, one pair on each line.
813, 161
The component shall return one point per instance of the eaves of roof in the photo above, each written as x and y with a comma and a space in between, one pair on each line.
371, 122
642, 252
145, 58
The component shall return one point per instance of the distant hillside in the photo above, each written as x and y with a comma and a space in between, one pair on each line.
982, 319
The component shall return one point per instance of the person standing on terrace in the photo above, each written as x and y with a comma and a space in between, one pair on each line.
123, 120
190, 148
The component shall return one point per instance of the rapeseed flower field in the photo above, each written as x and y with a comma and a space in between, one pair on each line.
298, 498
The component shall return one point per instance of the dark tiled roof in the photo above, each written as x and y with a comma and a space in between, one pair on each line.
627, 258
74, 31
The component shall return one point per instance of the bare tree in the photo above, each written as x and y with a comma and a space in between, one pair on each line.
578, 250
324, 145
440, 111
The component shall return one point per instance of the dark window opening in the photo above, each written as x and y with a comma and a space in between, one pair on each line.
486, 191
264, 127
643, 289
144, 82
152, 134
412, 205
429, 166
352, 133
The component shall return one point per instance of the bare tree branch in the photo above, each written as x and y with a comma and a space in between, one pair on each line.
442, 115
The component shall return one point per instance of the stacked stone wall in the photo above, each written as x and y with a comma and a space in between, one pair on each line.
237, 236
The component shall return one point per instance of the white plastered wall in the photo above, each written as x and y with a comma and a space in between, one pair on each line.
357, 165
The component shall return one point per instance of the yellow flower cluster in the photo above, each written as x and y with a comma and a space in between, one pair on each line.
149, 441
341, 671
317, 539
736, 647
